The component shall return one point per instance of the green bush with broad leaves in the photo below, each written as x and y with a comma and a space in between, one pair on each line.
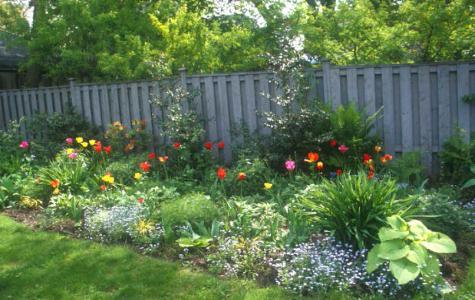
411, 248
353, 207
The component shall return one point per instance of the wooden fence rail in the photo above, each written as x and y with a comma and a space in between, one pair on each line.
422, 103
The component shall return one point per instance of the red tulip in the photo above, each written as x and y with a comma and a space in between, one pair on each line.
107, 149
221, 173
151, 156
208, 145
332, 143
221, 145
339, 172
140, 200
176, 145
145, 166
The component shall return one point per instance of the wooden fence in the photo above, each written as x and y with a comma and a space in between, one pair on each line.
422, 103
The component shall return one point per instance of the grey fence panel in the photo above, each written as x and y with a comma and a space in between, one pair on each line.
422, 104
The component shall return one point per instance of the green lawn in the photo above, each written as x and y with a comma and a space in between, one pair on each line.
41, 265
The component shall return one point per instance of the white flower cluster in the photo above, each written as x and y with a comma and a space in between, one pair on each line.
121, 223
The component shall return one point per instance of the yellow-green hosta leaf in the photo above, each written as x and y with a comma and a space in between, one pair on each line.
404, 270
431, 269
397, 223
417, 254
387, 234
417, 228
439, 243
392, 250
373, 260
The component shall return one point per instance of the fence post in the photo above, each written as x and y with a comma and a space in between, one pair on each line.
326, 80
74, 100
182, 71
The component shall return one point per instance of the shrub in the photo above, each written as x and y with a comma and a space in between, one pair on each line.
50, 130
353, 207
192, 208
408, 169
9, 190
456, 158
445, 213
256, 221
11, 156
67, 205
124, 169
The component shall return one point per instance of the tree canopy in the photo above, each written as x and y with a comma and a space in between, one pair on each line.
100, 40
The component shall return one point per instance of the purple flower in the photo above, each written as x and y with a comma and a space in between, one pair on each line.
69, 141
290, 165
73, 155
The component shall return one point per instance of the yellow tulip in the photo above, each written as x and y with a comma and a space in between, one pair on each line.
92, 142
79, 140
138, 176
267, 185
69, 150
84, 144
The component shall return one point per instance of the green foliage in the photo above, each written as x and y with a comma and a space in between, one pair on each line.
192, 208
125, 140
456, 158
9, 190
11, 158
444, 213
408, 169
471, 182
67, 205
50, 130
75, 176
409, 247
353, 207
258, 221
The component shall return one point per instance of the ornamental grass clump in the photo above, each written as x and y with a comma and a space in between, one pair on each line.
353, 207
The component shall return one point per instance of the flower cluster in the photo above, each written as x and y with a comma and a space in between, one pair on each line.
122, 223
326, 265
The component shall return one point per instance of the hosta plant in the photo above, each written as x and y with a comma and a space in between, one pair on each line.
411, 248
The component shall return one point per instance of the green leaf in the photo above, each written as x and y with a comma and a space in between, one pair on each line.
439, 243
404, 270
417, 254
392, 250
469, 183
472, 168
397, 223
417, 228
373, 260
431, 269
387, 234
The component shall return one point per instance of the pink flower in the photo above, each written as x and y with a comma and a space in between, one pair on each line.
73, 155
24, 145
290, 165
343, 148
69, 141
